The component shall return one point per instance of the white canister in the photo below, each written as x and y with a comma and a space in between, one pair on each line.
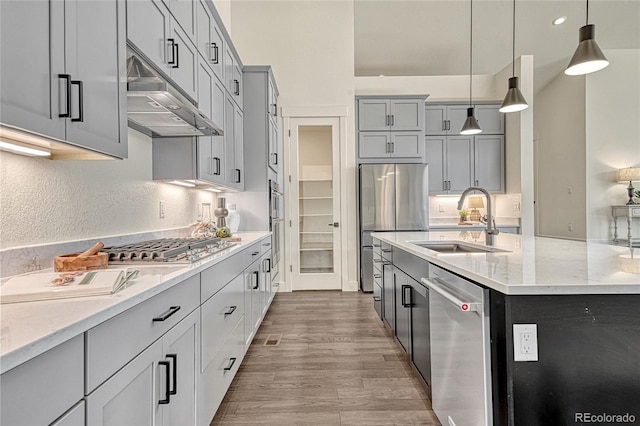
233, 218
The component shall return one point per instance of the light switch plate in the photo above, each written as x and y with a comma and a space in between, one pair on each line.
525, 342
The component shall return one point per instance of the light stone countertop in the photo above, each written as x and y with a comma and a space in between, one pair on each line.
533, 265
28, 329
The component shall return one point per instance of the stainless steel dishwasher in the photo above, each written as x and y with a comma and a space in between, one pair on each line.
460, 352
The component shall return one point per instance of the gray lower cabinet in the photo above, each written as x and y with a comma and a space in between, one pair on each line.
388, 295
420, 329
402, 306
72, 86
157, 387
130, 396
52, 382
266, 293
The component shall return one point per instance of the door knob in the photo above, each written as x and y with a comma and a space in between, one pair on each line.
335, 224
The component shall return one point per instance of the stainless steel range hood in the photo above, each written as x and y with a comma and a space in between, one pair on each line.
158, 108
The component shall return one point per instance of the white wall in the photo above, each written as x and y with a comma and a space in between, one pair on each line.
447, 88
612, 139
586, 129
45, 201
310, 46
559, 132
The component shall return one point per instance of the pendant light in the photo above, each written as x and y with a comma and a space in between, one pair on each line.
513, 100
470, 126
588, 57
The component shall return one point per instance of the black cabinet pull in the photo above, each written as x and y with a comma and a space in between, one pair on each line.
215, 53
167, 390
67, 79
80, 117
266, 262
230, 366
257, 275
173, 51
177, 55
172, 310
393, 119
174, 357
275, 158
376, 298
238, 175
217, 160
231, 310
405, 303
377, 276
236, 91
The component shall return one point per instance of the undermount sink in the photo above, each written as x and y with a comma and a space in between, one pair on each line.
456, 247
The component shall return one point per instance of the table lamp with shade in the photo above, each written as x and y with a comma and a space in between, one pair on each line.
630, 174
475, 203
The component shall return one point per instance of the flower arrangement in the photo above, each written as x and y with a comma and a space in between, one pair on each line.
463, 215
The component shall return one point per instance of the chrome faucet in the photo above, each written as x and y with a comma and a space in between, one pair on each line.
491, 222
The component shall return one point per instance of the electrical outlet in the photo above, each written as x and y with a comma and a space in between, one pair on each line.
570, 227
516, 206
525, 342
570, 190
441, 208
161, 209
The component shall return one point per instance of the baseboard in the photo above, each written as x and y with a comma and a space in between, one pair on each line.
350, 286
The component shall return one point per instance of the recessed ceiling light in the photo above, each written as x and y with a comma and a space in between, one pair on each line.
381, 75
559, 20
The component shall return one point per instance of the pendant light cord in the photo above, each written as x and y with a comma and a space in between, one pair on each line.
471, 54
513, 41
587, 12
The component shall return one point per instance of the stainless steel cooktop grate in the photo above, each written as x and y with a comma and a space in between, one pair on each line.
166, 250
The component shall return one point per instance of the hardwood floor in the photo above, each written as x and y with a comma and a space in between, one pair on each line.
335, 365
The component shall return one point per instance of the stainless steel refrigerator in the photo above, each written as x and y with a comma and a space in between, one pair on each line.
392, 197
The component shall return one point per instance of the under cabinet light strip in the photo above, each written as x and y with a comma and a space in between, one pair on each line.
20, 149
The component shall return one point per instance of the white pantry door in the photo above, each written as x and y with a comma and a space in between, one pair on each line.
316, 253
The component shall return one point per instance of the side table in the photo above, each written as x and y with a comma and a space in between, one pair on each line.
630, 211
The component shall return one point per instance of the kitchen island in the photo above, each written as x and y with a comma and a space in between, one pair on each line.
581, 297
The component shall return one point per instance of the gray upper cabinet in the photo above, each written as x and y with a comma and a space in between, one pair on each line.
183, 60
209, 39
233, 75
69, 83
31, 93
184, 11
444, 119
457, 162
234, 148
490, 119
489, 162
261, 96
158, 35
390, 128
148, 28
390, 144
390, 114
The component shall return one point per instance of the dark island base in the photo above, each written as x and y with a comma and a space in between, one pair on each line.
588, 360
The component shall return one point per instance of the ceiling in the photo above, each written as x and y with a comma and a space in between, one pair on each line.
431, 37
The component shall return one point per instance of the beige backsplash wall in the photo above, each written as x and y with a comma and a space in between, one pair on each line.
504, 207
45, 201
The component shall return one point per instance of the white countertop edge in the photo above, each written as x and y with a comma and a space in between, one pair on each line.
24, 352
509, 289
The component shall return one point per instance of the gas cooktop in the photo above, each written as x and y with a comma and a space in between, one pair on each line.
175, 250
